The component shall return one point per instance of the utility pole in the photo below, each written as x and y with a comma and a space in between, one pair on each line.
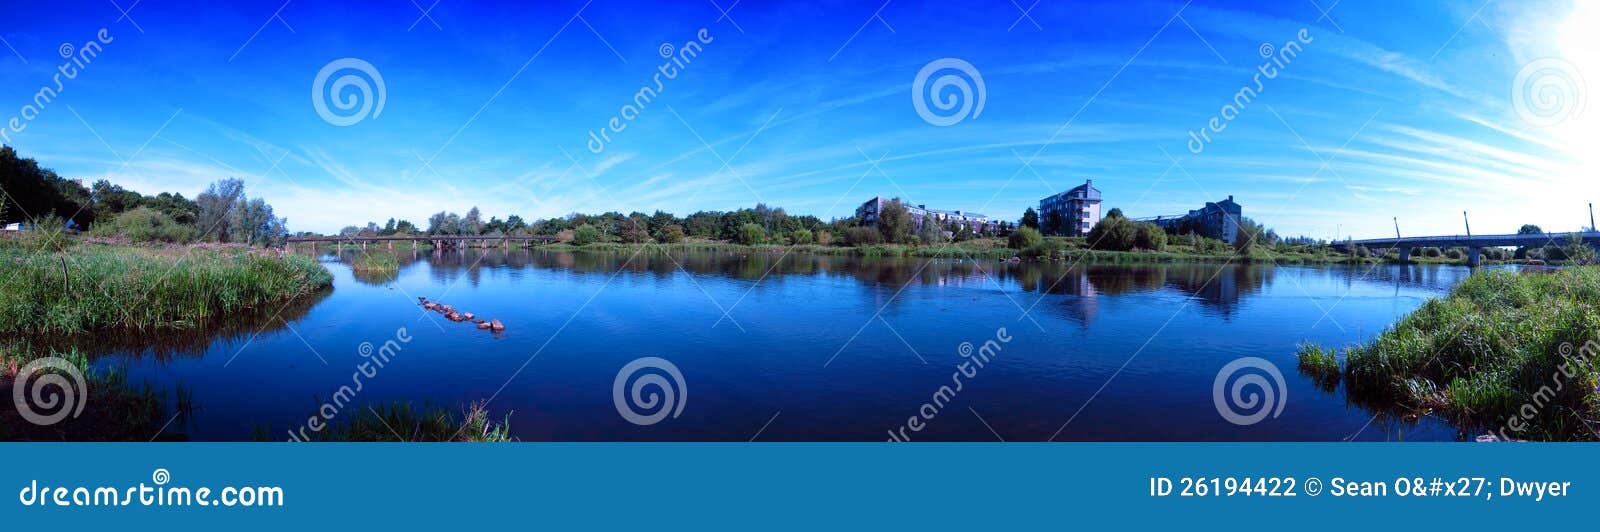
1468, 222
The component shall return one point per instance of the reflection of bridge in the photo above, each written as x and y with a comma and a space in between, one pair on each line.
438, 241
1473, 243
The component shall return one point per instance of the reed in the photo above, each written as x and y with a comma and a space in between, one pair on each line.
91, 288
1504, 349
402, 421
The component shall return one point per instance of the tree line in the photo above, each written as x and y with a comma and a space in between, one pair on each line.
223, 213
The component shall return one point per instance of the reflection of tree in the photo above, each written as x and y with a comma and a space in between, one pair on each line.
167, 344
1220, 288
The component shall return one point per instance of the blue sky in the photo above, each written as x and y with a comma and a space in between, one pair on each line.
1404, 109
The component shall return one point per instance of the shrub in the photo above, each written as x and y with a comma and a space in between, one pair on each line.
801, 236
824, 237
1150, 236
932, 234
585, 234
862, 236
751, 234
144, 224
1024, 238
1114, 233
671, 234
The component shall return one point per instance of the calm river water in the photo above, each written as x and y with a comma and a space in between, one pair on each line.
810, 348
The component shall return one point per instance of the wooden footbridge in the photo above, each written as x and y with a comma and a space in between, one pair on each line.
437, 241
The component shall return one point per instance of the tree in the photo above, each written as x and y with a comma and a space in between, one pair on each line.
1251, 234
34, 192
1115, 212
1024, 237
1114, 233
405, 227
1055, 223
931, 233
751, 233
1149, 236
216, 208
862, 236
895, 222
801, 237
1530, 229
472, 223
670, 234
144, 224
1030, 218
585, 234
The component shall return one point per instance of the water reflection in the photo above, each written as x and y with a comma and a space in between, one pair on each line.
574, 318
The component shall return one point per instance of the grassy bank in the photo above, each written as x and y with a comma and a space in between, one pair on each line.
91, 287
113, 408
396, 422
1053, 249
1508, 354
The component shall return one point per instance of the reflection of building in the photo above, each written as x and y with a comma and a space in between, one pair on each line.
1071, 213
1219, 220
868, 214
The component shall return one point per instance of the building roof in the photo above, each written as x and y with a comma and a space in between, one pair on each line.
1084, 191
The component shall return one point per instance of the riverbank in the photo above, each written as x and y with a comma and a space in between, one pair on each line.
1508, 355
87, 287
1053, 249
113, 409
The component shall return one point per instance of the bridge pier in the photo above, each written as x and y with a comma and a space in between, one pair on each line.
1474, 256
1405, 255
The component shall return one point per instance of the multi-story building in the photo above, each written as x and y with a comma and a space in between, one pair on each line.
1075, 211
868, 214
1218, 219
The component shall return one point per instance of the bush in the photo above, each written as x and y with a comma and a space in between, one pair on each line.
585, 234
144, 224
1024, 238
801, 236
1114, 233
750, 234
671, 234
824, 237
1149, 236
931, 234
863, 236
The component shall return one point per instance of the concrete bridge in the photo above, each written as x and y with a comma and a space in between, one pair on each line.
1473, 243
438, 241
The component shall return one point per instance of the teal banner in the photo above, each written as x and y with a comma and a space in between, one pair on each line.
793, 486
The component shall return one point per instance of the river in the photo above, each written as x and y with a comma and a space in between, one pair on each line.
814, 348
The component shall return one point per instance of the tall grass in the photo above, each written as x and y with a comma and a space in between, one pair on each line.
376, 261
1504, 349
404, 422
113, 408
96, 288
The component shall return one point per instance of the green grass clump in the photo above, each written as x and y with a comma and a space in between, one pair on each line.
1321, 364
113, 408
88, 288
402, 422
1504, 349
375, 261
